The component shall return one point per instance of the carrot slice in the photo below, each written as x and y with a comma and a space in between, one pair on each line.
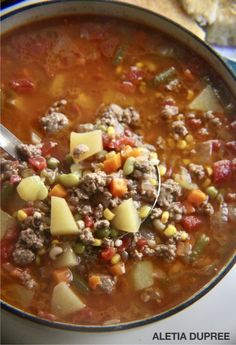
128, 151
62, 275
196, 197
94, 281
118, 187
58, 190
112, 164
118, 269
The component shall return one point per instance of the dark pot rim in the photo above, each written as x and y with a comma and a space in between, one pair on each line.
207, 287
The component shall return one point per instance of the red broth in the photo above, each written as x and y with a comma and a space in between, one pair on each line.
92, 62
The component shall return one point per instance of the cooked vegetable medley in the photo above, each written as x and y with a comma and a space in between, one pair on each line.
110, 115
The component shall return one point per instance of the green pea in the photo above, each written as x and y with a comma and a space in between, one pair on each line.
53, 163
114, 233
69, 159
101, 233
78, 216
69, 180
128, 167
212, 192
79, 248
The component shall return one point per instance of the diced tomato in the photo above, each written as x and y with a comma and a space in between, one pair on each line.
38, 163
188, 74
11, 234
127, 87
108, 47
7, 247
231, 146
117, 143
141, 242
126, 242
135, 75
46, 315
191, 223
15, 179
222, 171
89, 222
108, 253
22, 85
84, 315
216, 145
194, 123
47, 147
29, 211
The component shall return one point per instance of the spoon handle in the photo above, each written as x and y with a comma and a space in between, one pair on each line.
9, 142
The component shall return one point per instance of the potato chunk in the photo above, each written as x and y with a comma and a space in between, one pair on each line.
64, 301
67, 258
92, 139
62, 220
142, 275
206, 100
126, 217
32, 188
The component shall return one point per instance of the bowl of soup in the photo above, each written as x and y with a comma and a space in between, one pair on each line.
120, 209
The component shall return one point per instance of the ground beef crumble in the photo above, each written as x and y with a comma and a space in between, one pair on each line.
170, 190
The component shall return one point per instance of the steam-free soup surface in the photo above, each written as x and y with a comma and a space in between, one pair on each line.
104, 107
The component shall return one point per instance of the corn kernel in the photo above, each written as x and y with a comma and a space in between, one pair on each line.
111, 131
143, 87
115, 259
103, 128
190, 94
151, 66
144, 211
206, 183
153, 155
153, 181
42, 251
164, 217
189, 138
170, 230
209, 170
184, 235
181, 144
186, 161
171, 143
180, 117
97, 242
21, 215
158, 95
118, 70
162, 169
212, 192
139, 64
108, 214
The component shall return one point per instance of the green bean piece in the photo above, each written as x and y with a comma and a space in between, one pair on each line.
102, 233
212, 192
114, 233
69, 180
69, 159
53, 163
80, 283
79, 248
78, 216
119, 55
201, 243
128, 167
164, 76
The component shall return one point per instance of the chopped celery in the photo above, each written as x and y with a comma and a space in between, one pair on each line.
164, 77
120, 53
201, 243
80, 283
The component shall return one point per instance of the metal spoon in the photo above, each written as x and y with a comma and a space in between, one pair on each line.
9, 142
